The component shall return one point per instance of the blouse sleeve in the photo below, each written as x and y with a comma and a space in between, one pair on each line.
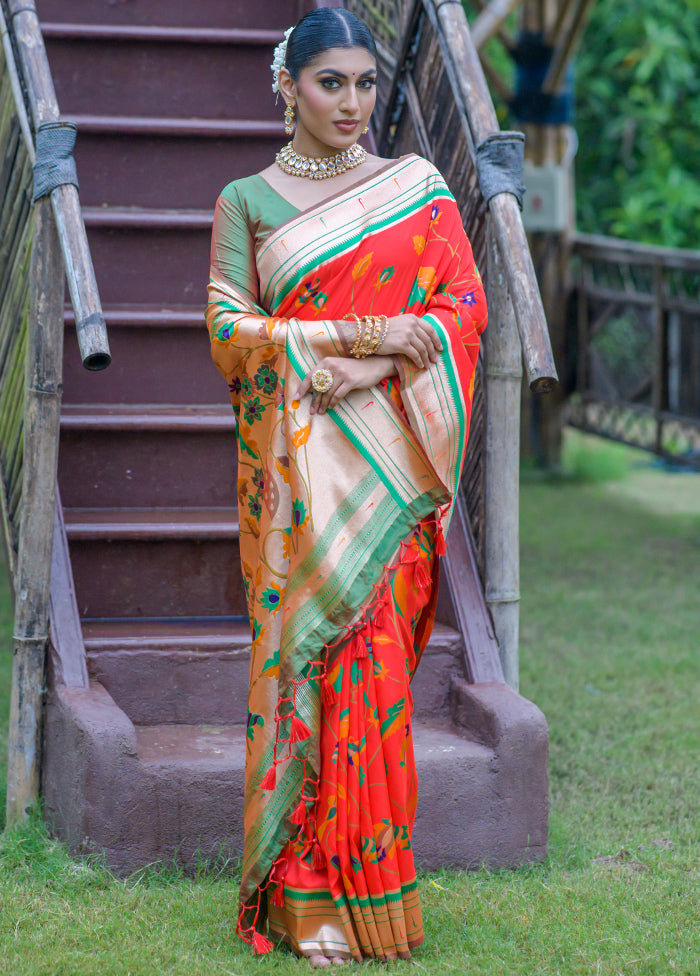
232, 245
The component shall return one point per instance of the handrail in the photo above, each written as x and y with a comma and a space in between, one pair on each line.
33, 65
469, 86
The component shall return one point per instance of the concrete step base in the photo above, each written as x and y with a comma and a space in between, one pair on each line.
164, 793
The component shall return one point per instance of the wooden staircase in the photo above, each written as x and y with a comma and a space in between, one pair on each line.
145, 761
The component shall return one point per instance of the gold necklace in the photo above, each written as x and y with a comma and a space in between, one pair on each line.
290, 161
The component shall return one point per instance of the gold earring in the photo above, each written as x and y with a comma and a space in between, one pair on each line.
365, 130
289, 119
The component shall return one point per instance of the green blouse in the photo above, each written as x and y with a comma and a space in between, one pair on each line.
249, 209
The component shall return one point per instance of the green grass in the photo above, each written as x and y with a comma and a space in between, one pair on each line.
609, 651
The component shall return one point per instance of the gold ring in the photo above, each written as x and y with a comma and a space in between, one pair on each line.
322, 380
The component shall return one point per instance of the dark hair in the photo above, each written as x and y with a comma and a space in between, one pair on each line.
322, 29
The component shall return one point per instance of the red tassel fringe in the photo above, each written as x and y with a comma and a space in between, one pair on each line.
299, 731
278, 896
319, 857
440, 547
269, 780
329, 696
360, 650
261, 944
421, 575
299, 815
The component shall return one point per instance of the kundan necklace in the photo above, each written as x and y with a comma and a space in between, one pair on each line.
290, 161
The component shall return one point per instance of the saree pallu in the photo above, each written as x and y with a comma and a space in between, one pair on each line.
341, 517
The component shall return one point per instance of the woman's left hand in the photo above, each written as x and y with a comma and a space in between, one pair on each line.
348, 375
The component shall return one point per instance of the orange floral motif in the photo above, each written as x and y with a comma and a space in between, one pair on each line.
362, 266
427, 281
419, 243
301, 436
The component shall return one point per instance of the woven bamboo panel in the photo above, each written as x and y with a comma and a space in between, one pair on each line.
426, 120
15, 248
383, 17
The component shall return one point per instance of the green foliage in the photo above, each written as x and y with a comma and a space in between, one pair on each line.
638, 121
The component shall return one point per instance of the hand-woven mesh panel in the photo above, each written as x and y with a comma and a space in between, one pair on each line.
15, 235
426, 120
383, 17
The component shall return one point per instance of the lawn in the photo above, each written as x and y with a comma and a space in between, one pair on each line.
609, 651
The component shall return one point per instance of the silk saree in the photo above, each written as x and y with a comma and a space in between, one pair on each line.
342, 519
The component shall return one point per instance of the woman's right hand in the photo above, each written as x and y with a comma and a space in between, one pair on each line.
413, 337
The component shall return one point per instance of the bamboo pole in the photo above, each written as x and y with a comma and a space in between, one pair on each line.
502, 459
82, 285
490, 20
41, 428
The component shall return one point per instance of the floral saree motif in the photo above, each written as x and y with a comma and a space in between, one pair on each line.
341, 516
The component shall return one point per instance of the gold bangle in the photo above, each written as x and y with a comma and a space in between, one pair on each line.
385, 329
367, 337
354, 349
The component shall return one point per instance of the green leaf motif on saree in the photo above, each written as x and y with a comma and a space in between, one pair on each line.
266, 379
253, 410
417, 295
299, 514
255, 505
272, 600
271, 668
253, 721
390, 723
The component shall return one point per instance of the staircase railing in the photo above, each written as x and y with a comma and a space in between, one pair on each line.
636, 317
41, 244
433, 100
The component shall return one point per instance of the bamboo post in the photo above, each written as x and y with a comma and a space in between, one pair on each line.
41, 427
503, 385
82, 285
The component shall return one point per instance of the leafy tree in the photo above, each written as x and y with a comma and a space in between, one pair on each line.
638, 121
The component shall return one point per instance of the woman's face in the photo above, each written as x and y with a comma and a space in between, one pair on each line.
334, 95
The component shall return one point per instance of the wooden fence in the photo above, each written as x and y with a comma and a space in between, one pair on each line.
637, 328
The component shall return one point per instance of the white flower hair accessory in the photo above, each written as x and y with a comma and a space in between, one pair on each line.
279, 59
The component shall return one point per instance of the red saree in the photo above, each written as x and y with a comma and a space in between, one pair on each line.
341, 518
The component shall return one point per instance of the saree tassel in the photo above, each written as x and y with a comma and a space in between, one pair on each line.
329, 696
299, 731
440, 547
278, 896
261, 944
361, 649
269, 780
319, 857
299, 814
421, 576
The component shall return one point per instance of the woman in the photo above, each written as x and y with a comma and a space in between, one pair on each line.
344, 312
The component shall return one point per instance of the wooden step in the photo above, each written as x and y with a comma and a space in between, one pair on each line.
156, 562
194, 776
162, 71
156, 524
150, 256
134, 456
196, 670
118, 158
159, 355
223, 14
171, 671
